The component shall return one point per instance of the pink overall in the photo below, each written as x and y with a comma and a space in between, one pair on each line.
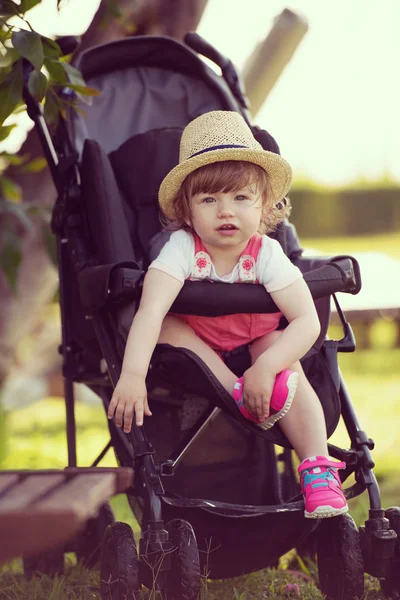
228, 332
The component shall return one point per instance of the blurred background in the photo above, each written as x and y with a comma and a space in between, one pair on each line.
321, 78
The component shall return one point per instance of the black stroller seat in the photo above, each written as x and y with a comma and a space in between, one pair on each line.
201, 471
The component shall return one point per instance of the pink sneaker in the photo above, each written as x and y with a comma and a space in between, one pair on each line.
281, 399
322, 488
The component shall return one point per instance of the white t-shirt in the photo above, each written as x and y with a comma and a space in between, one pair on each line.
273, 268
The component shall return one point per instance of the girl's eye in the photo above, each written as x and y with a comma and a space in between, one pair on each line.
241, 198
208, 199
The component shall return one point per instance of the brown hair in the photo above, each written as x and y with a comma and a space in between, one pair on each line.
227, 176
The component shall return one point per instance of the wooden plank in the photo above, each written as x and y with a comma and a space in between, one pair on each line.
82, 495
31, 523
28, 532
7, 480
124, 475
27, 492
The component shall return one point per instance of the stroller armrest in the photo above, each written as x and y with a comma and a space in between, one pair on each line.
123, 282
309, 263
336, 276
101, 283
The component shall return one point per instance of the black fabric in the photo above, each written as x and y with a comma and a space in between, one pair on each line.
140, 164
238, 360
105, 211
266, 140
168, 364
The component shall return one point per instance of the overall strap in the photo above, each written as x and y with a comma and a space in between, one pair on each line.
248, 259
202, 261
198, 244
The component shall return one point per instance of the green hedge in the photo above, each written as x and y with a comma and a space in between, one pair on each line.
330, 212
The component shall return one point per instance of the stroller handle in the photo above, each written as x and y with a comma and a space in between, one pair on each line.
229, 73
201, 46
122, 282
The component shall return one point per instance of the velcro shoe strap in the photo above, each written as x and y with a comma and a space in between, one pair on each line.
321, 462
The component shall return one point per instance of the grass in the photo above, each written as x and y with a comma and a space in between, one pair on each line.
388, 244
36, 439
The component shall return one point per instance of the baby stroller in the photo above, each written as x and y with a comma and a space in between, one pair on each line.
203, 475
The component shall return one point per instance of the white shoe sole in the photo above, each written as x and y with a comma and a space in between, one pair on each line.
324, 512
291, 384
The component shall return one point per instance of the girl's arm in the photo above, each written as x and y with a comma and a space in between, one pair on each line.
130, 395
297, 305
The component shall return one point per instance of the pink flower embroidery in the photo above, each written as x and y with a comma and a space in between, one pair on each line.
247, 264
201, 263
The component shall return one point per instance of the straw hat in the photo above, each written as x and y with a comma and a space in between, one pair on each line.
219, 136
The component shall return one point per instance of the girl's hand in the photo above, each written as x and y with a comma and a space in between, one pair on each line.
258, 385
129, 399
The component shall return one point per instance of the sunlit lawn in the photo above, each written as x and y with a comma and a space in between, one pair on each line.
388, 243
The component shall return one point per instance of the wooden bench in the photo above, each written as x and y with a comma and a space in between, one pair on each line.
40, 510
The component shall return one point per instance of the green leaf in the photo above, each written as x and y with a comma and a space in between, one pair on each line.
27, 5
10, 257
74, 76
50, 244
5, 34
56, 71
10, 91
5, 131
50, 48
51, 109
83, 89
34, 166
9, 57
29, 44
303, 565
10, 190
77, 83
37, 85
15, 159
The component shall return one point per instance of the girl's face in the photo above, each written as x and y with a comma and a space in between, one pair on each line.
226, 219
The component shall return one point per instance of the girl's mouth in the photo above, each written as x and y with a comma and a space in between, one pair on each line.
227, 227
227, 230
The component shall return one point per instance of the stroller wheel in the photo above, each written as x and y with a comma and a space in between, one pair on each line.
340, 559
88, 543
119, 564
391, 585
49, 563
183, 582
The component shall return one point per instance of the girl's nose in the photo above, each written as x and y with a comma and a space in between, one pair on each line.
225, 208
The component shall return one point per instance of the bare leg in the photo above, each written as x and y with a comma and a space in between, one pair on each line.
180, 334
304, 423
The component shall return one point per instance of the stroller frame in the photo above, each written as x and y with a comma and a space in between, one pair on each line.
124, 280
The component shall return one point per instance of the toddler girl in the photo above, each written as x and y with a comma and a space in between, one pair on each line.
222, 197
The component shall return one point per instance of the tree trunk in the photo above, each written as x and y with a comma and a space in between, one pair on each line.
37, 277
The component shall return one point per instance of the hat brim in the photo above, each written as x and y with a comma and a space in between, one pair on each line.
277, 168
